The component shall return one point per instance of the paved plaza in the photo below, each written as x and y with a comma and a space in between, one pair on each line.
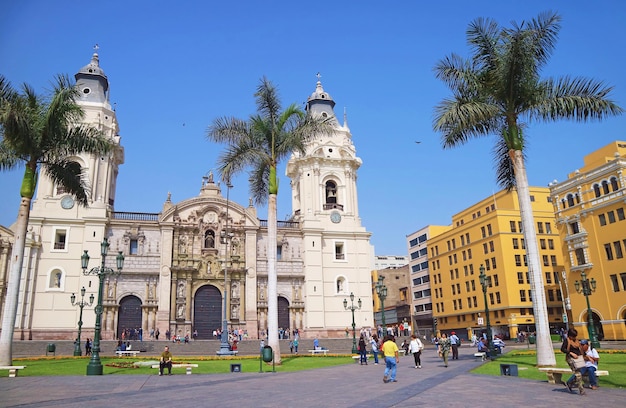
344, 386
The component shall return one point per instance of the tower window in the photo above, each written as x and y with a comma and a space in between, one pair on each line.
331, 192
339, 251
60, 239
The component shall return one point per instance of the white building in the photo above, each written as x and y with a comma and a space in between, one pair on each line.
173, 275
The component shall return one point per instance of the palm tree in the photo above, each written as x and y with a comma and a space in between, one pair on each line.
259, 144
497, 92
42, 133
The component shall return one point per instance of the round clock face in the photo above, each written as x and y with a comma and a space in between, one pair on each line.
67, 202
335, 217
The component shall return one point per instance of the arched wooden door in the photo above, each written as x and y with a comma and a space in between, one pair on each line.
283, 313
129, 314
207, 311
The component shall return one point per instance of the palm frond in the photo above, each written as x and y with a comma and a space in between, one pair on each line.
580, 99
71, 176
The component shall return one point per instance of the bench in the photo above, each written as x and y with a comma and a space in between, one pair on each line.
127, 353
187, 366
482, 355
555, 375
12, 370
318, 351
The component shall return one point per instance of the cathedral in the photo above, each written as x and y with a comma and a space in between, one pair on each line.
199, 260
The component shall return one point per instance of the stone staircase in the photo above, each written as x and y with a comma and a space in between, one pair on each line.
34, 348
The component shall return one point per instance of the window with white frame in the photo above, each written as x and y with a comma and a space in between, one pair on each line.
340, 251
59, 239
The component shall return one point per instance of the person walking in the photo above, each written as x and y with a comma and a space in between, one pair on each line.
374, 344
390, 351
573, 356
362, 350
444, 348
454, 343
416, 347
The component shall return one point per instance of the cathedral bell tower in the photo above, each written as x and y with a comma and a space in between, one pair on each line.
101, 172
337, 253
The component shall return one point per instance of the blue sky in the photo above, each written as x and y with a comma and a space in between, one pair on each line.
173, 67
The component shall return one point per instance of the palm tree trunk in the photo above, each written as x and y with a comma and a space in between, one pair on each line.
272, 280
13, 285
545, 351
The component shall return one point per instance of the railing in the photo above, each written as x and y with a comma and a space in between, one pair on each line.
281, 224
333, 206
135, 216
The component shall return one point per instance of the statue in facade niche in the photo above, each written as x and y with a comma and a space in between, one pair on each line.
181, 290
234, 290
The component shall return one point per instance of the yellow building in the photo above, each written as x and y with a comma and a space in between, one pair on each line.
589, 209
489, 233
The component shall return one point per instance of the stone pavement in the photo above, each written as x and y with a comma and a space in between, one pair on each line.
344, 386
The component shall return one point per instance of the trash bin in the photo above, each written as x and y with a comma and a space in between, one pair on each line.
508, 369
532, 339
268, 354
51, 348
235, 368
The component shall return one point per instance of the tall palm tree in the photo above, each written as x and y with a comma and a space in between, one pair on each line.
497, 92
259, 144
41, 133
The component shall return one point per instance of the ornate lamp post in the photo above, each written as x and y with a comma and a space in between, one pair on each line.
225, 237
95, 366
484, 282
352, 308
381, 290
587, 287
77, 350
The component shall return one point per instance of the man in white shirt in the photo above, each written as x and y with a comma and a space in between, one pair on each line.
454, 342
591, 363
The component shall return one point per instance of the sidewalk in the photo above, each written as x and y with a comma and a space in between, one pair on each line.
344, 386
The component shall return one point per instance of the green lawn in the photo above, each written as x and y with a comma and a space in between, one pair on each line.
52, 366
614, 361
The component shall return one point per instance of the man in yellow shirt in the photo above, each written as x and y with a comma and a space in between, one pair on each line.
390, 350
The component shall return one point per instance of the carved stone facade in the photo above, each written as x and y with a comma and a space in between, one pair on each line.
201, 256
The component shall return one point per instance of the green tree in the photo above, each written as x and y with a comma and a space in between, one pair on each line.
498, 91
258, 145
42, 133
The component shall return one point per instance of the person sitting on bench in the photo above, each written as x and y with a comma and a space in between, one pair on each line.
166, 361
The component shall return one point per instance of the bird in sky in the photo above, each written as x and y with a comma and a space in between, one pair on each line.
417, 142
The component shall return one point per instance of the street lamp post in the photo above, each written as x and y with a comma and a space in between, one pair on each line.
95, 366
352, 308
484, 282
77, 350
225, 237
587, 287
381, 290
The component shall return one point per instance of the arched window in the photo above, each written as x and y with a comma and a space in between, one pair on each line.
570, 200
605, 187
596, 190
209, 239
577, 198
331, 192
75, 168
614, 186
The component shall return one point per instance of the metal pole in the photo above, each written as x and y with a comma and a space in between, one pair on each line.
484, 281
224, 344
95, 366
587, 290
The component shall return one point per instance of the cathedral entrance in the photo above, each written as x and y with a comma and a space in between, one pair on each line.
283, 313
207, 311
129, 318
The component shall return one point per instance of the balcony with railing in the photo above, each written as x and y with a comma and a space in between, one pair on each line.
134, 216
333, 206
